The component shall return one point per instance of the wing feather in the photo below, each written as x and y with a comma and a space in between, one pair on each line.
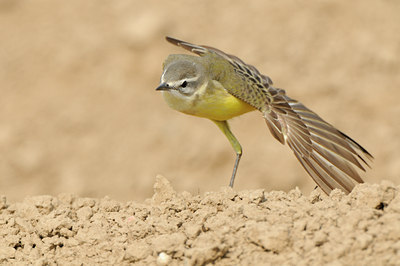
328, 155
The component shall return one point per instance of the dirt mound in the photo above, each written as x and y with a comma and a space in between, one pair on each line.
225, 228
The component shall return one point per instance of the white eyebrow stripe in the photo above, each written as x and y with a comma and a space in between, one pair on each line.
162, 77
188, 79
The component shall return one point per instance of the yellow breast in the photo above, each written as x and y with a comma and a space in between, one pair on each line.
211, 101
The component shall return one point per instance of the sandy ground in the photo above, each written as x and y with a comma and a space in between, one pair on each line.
224, 228
79, 115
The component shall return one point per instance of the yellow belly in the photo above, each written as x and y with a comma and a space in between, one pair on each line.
213, 103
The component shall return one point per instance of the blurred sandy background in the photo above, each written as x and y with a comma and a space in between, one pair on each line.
79, 113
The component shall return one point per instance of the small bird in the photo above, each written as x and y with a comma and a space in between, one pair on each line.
219, 86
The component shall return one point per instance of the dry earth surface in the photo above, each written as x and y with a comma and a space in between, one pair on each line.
223, 228
79, 116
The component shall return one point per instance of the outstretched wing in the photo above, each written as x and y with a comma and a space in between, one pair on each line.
202, 50
328, 155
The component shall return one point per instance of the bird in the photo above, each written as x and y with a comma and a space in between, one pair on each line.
212, 84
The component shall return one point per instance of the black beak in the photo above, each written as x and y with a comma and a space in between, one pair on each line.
163, 87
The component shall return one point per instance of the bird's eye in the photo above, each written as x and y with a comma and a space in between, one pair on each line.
184, 84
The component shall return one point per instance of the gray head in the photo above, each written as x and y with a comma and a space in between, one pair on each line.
182, 73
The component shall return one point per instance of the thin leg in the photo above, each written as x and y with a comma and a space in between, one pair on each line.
235, 167
223, 125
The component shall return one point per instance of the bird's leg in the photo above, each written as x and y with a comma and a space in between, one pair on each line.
235, 167
223, 125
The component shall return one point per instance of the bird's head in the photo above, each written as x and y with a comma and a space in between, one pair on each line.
183, 74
